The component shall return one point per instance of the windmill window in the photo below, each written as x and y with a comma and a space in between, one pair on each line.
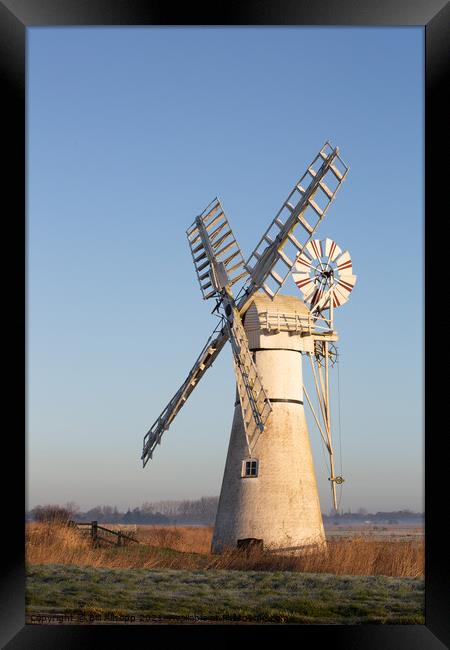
250, 468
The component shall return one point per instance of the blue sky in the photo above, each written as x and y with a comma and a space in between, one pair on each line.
131, 132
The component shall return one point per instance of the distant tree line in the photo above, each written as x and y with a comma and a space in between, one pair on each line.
200, 511
361, 516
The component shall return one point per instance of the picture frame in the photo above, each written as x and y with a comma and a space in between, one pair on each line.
16, 16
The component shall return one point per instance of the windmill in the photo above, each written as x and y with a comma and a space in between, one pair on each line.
269, 492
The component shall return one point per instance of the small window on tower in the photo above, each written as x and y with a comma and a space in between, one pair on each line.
250, 468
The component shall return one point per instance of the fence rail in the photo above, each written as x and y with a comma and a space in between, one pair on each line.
99, 534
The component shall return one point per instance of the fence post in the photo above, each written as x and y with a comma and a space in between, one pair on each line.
94, 531
119, 538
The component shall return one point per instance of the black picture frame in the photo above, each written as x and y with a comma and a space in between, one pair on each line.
15, 17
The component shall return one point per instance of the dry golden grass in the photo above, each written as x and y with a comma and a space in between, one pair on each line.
358, 556
46, 540
187, 539
189, 548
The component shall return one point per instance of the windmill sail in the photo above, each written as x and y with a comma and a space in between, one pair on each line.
255, 404
219, 264
217, 257
270, 264
162, 423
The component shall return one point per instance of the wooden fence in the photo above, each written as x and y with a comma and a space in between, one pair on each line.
101, 535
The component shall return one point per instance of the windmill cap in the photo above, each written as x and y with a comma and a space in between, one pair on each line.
285, 304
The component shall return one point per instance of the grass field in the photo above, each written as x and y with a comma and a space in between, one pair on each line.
168, 547
172, 576
103, 595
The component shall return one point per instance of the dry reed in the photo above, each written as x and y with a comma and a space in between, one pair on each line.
189, 548
187, 539
357, 556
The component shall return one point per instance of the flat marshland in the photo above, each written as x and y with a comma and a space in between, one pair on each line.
172, 576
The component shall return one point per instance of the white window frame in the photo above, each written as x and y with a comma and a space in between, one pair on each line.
244, 468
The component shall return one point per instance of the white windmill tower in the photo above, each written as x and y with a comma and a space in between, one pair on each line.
269, 492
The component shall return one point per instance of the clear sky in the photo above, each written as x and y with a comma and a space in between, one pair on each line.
131, 132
